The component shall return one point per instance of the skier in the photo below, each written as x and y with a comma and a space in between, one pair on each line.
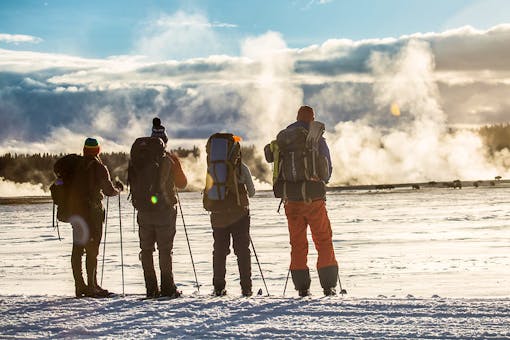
154, 174
304, 166
228, 186
92, 181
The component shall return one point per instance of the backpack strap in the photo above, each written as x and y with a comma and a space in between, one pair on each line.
236, 185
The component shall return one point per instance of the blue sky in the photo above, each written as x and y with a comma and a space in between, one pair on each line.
97, 28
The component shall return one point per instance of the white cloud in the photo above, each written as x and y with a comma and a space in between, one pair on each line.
19, 38
455, 77
181, 35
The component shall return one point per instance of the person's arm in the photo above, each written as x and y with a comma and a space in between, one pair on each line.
180, 179
105, 182
324, 150
247, 180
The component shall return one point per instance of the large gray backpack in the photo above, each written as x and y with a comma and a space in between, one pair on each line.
301, 171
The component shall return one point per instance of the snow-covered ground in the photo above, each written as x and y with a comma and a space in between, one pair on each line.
430, 263
290, 318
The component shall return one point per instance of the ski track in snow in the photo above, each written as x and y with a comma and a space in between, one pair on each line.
256, 317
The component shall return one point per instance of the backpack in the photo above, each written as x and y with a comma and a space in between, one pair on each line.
144, 172
300, 170
222, 191
70, 191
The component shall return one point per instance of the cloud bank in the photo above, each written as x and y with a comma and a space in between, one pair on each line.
50, 103
18, 39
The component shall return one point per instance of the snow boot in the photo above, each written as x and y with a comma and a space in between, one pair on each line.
168, 287
301, 279
153, 293
328, 279
171, 293
219, 292
304, 292
80, 290
329, 291
246, 292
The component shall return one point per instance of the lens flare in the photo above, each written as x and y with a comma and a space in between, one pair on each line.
209, 181
81, 231
395, 110
154, 199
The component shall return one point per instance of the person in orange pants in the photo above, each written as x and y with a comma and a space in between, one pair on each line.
310, 211
300, 215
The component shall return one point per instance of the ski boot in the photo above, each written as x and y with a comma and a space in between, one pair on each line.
80, 290
304, 292
220, 292
329, 292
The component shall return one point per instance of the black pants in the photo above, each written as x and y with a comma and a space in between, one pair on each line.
240, 232
163, 236
87, 234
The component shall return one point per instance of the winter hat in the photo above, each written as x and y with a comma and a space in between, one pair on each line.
158, 130
91, 147
305, 114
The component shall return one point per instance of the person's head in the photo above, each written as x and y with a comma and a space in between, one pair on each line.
91, 147
305, 114
158, 130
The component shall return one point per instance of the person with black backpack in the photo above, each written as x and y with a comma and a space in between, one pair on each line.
302, 167
153, 175
78, 191
228, 186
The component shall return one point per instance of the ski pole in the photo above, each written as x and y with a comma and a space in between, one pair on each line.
342, 291
187, 240
121, 250
287, 280
134, 217
260, 268
104, 240
58, 230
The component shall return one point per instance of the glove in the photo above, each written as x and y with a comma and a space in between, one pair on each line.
119, 185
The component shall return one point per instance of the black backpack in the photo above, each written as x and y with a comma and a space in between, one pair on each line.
222, 191
70, 190
144, 174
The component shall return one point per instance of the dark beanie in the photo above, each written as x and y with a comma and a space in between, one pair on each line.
158, 130
305, 114
91, 147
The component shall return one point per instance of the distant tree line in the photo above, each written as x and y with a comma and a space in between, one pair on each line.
38, 168
496, 137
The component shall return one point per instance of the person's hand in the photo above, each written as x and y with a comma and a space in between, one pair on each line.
118, 185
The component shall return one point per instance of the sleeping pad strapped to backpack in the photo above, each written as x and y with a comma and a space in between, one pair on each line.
222, 191
70, 190
144, 174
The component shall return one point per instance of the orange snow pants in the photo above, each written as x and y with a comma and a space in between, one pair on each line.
300, 215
